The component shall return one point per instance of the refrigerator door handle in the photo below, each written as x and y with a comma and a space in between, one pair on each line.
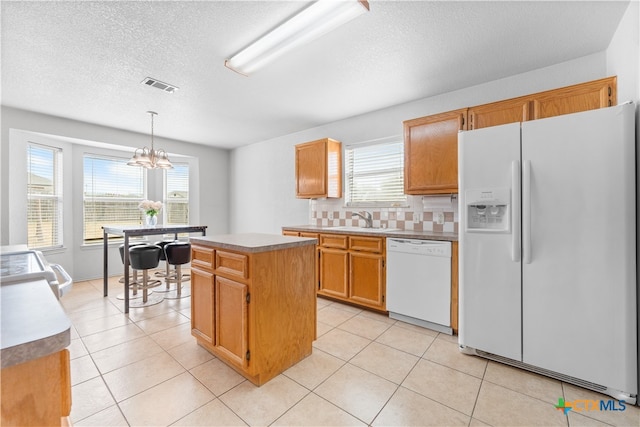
526, 211
515, 211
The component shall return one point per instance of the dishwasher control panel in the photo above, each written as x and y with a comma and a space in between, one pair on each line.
421, 247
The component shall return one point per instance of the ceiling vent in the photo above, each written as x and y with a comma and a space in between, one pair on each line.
160, 85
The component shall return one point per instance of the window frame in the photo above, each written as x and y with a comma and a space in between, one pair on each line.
348, 174
57, 196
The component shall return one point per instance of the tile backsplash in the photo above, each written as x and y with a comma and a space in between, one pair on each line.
423, 213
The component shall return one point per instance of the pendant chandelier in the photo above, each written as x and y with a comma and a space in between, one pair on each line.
149, 158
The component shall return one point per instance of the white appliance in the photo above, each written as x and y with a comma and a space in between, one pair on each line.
548, 247
419, 282
23, 265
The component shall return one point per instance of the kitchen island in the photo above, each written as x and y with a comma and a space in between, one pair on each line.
253, 300
35, 331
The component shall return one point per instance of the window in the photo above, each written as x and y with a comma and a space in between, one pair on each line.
375, 174
176, 194
111, 195
44, 196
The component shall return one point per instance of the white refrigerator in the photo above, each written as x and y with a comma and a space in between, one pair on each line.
547, 266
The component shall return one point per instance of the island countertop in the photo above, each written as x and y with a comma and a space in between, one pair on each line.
252, 242
33, 322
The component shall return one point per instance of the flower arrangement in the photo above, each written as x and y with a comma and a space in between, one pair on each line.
150, 207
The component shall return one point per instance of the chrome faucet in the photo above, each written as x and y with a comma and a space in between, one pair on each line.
368, 219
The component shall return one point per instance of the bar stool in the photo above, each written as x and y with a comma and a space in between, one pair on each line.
133, 285
145, 258
177, 254
167, 272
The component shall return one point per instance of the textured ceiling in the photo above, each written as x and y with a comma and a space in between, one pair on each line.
85, 60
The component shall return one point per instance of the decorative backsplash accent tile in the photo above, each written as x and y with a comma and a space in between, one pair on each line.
422, 214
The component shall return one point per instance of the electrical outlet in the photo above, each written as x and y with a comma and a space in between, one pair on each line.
438, 217
331, 215
416, 217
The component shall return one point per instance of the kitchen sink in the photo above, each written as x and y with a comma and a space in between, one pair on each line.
363, 230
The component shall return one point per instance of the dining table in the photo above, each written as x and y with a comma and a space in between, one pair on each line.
128, 231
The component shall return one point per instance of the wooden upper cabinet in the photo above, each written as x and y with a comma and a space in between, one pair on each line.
573, 99
500, 113
566, 100
431, 153
319, 169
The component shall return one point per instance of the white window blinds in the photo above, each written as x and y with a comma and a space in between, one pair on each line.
176, 194
112, 193
44, 196
375, 174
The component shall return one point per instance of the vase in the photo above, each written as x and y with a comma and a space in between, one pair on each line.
150, 221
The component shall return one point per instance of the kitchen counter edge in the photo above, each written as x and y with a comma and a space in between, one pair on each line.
252, 242
34, 323
405, 234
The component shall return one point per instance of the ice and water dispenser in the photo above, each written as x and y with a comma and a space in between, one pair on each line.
488, 210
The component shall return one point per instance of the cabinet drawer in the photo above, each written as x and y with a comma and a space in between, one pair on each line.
337, 241
232, 264
310, 235
202, 256
366, 244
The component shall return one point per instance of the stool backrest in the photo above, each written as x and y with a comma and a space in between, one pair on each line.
178, 253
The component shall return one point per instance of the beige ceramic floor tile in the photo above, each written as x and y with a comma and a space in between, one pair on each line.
445, 385
379, 317
629, 417
447, 337
314, 369
406, 340
259, 406
138, 314
386, 362
137, 377
77, 349
499, 406
83, 369
334, 316
477, 423
166, 403
104, 310
162, 322
88, 398
110, 417
112, 337
125, 354
186, 313
360, 393
190, 354
347, 307
578, 420
446, 353
323, 328
321, 302
315, 411
407, 408
214, 414
217, 377
341, 344
174, 336
534, 385
364, 327
102, 324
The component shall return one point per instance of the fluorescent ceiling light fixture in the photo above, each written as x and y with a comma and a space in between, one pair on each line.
314, 21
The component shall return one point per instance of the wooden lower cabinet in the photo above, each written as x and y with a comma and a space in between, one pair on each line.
366, 278
37, 392
255, 311
334, 273
352, 269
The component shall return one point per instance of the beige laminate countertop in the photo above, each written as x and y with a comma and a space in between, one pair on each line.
379, 232
33, 325
253, 242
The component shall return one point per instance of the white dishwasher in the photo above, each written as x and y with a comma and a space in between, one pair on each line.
419, 282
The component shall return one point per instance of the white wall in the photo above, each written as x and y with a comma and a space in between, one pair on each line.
209, 181
262, 174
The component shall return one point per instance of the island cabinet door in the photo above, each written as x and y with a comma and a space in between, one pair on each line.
202, 303
231, 311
